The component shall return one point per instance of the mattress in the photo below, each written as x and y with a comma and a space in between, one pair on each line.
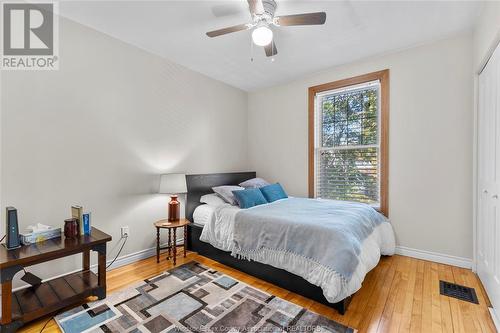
219, 232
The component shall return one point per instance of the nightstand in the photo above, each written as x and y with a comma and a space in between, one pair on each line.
172, 240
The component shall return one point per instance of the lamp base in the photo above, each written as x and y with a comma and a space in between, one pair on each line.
174, 209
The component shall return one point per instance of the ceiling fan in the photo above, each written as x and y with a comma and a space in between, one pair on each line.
262, 12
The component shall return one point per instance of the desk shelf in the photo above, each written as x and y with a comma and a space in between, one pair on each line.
53, 295
31, 303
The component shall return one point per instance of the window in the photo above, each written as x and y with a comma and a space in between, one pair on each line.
348, 140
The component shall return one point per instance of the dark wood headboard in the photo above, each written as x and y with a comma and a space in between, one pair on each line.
198, 185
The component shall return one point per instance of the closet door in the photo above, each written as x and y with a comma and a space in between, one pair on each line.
488, 226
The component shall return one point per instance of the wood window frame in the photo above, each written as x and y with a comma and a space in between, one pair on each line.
383, 77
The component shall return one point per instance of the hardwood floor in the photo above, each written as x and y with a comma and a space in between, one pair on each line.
400, 295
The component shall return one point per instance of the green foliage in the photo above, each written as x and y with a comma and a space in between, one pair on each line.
349, 120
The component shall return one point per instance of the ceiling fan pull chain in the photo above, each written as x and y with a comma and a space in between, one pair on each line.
251, 50
273, 47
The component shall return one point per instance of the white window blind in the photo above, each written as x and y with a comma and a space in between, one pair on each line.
347, 143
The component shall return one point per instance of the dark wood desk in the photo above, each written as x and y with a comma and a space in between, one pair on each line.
31, 303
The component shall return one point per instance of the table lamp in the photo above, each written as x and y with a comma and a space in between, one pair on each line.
173, 184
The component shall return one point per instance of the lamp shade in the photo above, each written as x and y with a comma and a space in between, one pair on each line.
173, 183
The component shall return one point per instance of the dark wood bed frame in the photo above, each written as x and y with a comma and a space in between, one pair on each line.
198, 185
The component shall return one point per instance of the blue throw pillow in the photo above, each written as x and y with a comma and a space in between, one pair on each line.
249, 197
273, 192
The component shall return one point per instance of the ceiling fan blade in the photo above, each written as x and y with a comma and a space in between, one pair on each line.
302, 19
256, 7
271, 49
228, 30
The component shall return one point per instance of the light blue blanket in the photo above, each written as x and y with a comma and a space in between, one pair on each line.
324, 232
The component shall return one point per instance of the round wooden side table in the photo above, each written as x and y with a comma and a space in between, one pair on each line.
172, 241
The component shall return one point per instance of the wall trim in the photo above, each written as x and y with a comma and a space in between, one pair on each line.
494, 316
434, 256
383, 77
401, 250
120, 261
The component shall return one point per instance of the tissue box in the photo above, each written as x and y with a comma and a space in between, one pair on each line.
39, 236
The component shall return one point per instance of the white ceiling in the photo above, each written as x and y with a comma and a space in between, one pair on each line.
353, 30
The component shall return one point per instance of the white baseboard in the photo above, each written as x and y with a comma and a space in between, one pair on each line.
495, 318
433, 256
120, 261
131, 257
401, 250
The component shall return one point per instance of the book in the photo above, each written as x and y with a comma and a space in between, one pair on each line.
77, 213
87, 228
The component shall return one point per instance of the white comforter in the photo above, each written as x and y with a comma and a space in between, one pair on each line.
220, 230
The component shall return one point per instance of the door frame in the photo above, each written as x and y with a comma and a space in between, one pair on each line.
475, 178
475, 150
494, 312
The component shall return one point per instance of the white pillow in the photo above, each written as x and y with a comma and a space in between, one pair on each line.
226, 192
254, 183
212, 199
203, 214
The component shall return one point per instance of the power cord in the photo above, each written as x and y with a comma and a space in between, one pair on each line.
119, 251
111, 263
1, 239
46, 323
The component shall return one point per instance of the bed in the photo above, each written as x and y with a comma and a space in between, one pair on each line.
261, 265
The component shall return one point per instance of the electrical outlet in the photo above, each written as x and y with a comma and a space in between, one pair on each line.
125, 231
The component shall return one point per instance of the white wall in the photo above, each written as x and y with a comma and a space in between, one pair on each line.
99, 131
486, 33
431, 126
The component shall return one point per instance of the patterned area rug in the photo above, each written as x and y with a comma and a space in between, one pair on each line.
194, 298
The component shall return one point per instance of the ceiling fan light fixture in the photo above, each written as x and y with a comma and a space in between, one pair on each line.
262, 12
262, 35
